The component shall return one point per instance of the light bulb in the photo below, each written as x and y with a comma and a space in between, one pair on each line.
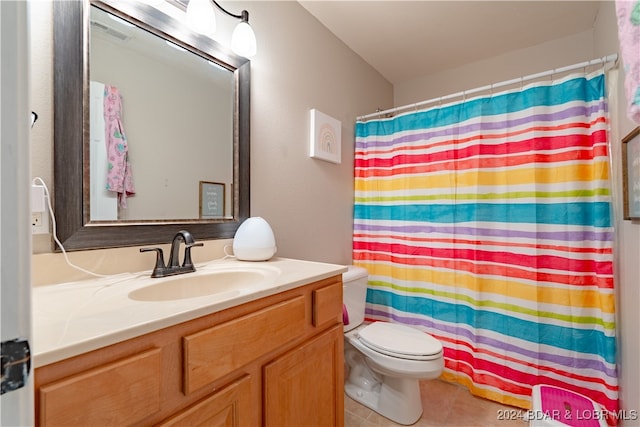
201, 17
243, 40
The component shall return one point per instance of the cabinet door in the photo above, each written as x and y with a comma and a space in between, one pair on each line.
304, 387
229, 407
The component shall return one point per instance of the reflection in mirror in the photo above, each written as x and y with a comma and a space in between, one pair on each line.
185, 118
169, 111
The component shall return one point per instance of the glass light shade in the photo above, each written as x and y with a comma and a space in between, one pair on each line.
201, 17
243, 40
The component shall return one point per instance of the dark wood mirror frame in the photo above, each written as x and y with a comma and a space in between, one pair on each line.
71, 130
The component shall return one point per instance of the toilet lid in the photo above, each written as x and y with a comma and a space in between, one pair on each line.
400, 341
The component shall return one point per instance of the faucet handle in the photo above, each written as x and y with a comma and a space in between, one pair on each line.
187, 254
159, 260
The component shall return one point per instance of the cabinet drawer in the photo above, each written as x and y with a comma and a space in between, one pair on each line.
217, 351
116, 394
327, 304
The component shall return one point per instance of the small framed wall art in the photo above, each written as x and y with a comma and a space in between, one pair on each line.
631, 174
325, 138
212, 199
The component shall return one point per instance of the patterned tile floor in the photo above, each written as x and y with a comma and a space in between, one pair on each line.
444, 404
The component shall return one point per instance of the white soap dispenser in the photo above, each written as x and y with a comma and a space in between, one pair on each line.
254, 240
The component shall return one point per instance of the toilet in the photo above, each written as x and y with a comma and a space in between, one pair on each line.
385, 360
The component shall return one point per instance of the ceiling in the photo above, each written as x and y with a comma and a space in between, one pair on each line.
405, 40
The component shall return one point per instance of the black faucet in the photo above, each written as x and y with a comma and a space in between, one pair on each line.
174, 267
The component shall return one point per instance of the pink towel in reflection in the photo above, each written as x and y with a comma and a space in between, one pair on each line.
119, 178
628, 13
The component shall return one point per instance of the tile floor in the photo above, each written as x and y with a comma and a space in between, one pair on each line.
444, 404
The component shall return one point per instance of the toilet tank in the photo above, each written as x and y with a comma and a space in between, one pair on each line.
354, 295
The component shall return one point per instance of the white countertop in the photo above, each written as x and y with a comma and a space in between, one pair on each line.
77, 317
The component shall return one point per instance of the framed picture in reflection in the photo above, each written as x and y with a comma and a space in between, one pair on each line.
212, 199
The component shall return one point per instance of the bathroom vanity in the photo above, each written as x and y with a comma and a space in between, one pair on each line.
269, 354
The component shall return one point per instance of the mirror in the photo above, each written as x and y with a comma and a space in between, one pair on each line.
197, 178
152, 81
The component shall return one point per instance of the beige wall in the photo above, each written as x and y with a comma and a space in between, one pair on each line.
200, 105
301, 66
536, 59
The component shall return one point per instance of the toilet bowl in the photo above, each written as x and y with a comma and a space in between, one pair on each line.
386, 360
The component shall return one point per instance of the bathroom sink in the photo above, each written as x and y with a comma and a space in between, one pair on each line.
223, 284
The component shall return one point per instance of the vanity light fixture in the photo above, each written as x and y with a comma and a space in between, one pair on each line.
202, 19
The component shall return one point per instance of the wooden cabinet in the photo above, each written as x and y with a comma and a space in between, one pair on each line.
118, 393
230, 407
212, 353
300, 387
276, 361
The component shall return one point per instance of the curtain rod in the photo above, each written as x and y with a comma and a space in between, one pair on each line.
597, 61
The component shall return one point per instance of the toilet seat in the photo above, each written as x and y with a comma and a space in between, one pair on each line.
400, 341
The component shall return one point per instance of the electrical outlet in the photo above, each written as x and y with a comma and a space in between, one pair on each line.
39, 212
36, 219
39, 222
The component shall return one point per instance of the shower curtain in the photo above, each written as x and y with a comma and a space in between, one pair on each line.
487, 223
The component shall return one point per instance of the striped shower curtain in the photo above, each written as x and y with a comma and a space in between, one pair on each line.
487, 223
